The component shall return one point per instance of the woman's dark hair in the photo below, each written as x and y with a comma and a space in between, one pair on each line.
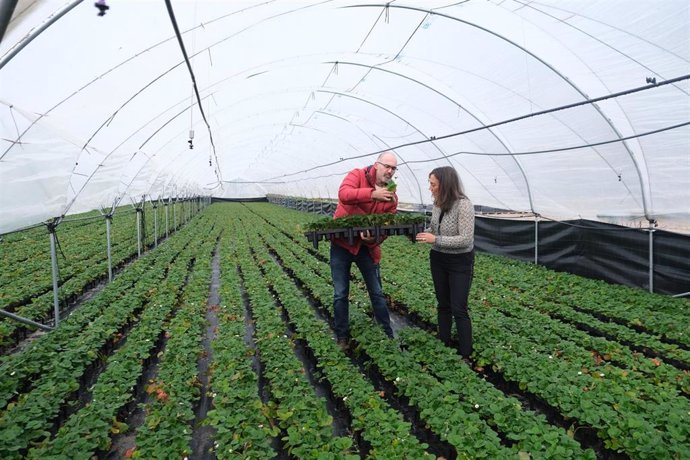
449, 187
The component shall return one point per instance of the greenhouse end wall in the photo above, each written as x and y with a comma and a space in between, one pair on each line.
591, 249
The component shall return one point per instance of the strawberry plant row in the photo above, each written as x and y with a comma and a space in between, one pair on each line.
506, 413
619, 304
26, 269
86, 263
487, 291
241, 420
595, 352
14, 246
558, 445
63, 356
383, 429
78, 243
646, 398
641, 341
596, 398
39, 357
634, 305
619, 416
31, 416
303, 417
166, 431
593, 293
41, 307
89, 430
675, 434
502, 348
290, 222
25, 245
464, 431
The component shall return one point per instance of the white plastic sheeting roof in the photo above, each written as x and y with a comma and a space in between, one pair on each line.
97, 110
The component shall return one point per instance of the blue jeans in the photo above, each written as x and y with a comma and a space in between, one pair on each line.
341, 262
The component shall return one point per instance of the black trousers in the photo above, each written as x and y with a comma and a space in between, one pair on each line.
452, 276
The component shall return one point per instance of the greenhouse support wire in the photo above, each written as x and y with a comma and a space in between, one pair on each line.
634, 136
512, 120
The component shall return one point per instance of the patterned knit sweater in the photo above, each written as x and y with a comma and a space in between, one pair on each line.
455, 235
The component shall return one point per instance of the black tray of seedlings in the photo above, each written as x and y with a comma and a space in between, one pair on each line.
378, 225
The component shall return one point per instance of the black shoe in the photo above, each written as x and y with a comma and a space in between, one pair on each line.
344, 344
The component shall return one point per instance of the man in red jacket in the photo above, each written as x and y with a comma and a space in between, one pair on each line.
363, 191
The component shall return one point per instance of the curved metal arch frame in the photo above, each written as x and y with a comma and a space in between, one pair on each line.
468, 112
637, 167
645, 192
405, 121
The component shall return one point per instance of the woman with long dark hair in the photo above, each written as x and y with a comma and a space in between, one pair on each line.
451, 234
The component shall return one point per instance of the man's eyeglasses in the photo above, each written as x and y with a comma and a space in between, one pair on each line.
392, 168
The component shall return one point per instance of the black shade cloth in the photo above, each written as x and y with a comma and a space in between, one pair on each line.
587, 248
593, 249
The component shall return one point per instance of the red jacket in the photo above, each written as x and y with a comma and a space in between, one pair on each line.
354, 197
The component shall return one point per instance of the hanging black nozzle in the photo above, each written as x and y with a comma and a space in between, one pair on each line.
102, 7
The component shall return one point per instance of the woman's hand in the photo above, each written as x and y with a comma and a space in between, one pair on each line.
426, 238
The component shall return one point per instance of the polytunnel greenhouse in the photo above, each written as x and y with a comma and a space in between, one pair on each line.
164, 166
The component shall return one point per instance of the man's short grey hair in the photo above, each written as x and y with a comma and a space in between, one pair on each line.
383, 154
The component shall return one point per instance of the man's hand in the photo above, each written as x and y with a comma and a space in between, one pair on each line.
366, 237
382, 194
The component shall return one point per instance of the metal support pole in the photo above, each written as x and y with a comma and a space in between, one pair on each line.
25, 320
54, 267
108, 247
139, 232
651, 256
167, 231
175, 215
155, 225
536, 240
35, 32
